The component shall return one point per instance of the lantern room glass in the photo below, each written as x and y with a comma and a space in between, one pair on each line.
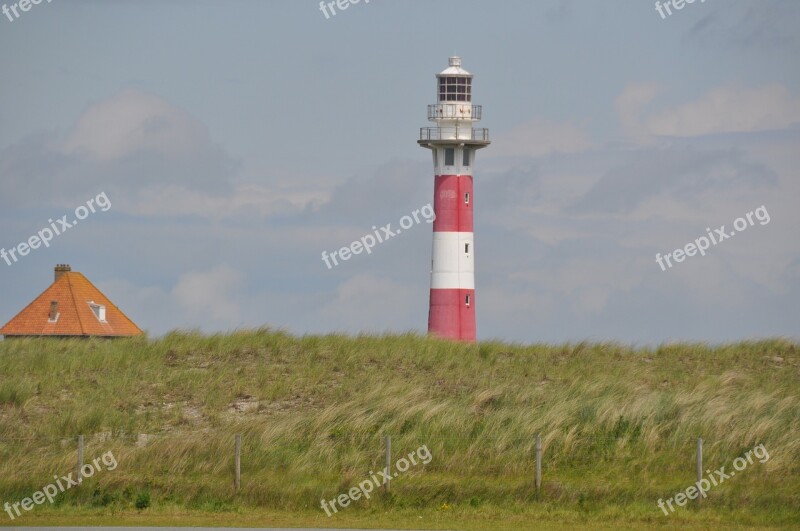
455, 88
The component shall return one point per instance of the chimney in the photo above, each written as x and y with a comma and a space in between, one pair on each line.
53, 310
61, 269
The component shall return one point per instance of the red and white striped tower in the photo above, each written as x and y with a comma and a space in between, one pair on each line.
453, 142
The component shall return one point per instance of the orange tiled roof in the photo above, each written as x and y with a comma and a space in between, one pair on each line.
73, 292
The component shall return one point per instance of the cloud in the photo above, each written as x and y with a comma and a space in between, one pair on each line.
368, 302
391, 190
730, 110
560, 11
127, 144
631, 103
769, 26
134, 121
682, 173
211, 295
541, 137
245, 199
721, 110
153, 159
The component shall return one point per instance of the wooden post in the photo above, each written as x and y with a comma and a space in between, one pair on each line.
238, 463
80, 458
388, 446
699, 462
538, 462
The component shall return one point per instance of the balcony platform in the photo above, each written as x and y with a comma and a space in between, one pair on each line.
453, 136
454, 111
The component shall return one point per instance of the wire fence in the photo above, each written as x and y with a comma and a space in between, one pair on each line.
241, 456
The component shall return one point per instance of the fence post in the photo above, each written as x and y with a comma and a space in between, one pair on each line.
238, 463
388, 446
538, 461
699, 462
80, 458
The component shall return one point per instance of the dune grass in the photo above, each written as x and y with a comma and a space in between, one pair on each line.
618, 425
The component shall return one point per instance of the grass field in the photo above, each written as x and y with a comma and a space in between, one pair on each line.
618, 425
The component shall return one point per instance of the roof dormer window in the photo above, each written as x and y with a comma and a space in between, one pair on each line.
99, 311
53, 316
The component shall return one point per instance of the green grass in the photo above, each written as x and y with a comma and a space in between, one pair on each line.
618, 427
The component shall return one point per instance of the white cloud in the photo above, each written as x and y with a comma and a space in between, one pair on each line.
721, 110
129, 144
132, 121
730, 110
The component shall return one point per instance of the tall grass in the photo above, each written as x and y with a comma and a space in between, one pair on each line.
618, 424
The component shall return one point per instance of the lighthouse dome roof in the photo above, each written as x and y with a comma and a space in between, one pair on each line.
454, 69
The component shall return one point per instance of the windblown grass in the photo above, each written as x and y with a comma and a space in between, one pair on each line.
618, 425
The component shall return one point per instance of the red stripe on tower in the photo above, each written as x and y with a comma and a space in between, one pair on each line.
452, 202
453, 142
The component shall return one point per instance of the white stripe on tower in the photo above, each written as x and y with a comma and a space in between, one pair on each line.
453, 267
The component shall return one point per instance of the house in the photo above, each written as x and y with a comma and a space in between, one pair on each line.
71, 307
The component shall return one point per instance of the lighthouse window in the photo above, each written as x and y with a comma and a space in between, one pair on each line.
466, 248
449, 157
466, 198
466, 157
466, 299
455, 89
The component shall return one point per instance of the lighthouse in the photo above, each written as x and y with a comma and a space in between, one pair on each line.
453, 142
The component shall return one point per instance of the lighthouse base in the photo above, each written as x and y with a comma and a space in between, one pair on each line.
452, 314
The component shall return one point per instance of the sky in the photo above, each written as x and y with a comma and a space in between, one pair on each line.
236, 141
